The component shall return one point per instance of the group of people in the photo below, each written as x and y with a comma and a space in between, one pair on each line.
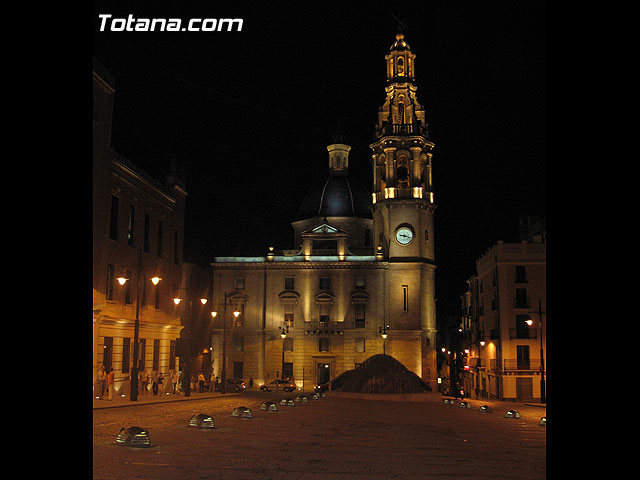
156, 382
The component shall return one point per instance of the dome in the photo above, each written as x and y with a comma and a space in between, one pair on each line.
337, 196
399, 44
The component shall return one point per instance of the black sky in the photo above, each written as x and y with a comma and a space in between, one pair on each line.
249, 114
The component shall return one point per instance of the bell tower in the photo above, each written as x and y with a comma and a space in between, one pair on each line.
403, 205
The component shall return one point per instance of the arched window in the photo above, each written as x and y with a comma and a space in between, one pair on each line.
400, 67
402, 172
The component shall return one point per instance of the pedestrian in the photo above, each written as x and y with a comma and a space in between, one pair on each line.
174, 382
110, 381
154, 380
200, 382
251, 382
102, 377
144, 382
161, 383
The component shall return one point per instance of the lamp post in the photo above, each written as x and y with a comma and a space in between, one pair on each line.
236, 313
133, 396
383, 333
284, 331
543, 396
186, 368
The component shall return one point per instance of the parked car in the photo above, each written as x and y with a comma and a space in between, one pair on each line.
236, 384
277, 385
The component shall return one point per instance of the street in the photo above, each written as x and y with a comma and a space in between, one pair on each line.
330, 439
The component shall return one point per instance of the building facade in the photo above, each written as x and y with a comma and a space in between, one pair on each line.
504, 321
362, 262
138, 225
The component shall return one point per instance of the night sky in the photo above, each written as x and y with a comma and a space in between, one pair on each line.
249, 114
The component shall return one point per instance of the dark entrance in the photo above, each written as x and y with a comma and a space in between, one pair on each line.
324, 373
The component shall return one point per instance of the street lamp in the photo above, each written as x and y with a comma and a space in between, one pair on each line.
133, 396
383, 333
284, 331
543, 396
236, 314
186, 368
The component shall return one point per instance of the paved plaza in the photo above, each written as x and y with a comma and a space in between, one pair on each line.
329, 439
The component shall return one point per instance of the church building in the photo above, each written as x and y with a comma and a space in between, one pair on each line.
361, 278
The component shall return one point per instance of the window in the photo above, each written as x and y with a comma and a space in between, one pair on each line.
360, 283
238, 283
288, 344
107, 355
367, 237
323, 344
359, 345
405, 298
127, 289
325, 283
145, 239
111, 278
521, 274
156, 355
521, 300
238, 344
359, 309
288, 315
287, 370
522, 352
159, 239
113, 225
426, 236
289, 283
126, 354
238, 370
325, 310
130, 227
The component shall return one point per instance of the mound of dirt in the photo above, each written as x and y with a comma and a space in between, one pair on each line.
379, 374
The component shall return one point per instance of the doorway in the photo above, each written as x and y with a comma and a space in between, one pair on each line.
324, 373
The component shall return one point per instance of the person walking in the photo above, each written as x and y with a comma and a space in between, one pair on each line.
251, 383
201, 382
110, 381
161, 383
154, 380
174, 382
144, 382
102, 378
212, 382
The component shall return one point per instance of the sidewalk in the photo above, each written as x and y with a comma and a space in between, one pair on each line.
124, 401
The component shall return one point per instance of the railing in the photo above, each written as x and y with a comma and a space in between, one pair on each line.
316, 327
402, 129
519, 365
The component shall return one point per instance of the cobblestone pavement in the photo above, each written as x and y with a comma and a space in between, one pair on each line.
329, 439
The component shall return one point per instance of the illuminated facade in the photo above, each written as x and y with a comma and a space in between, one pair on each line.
137, 234
362, 260
504, 325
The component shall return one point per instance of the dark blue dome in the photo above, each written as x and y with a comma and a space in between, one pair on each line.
337, 196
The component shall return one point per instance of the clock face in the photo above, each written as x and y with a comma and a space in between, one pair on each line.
404, 235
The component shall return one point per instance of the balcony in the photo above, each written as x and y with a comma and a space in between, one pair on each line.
317, 327
402, 129
512, 364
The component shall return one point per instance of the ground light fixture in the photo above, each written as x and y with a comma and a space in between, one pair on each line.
133, 437
512, 413
242, 412
203, 421
485, 409
269, 406
543, 422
